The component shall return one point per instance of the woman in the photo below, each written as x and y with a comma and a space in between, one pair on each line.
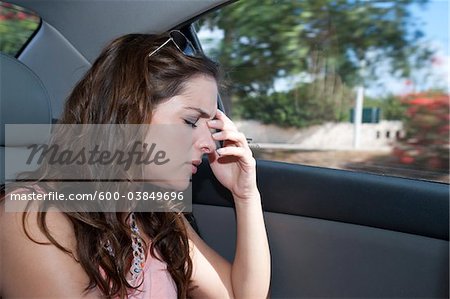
144, 79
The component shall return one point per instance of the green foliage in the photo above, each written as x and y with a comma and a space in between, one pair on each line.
392, 108
15, 33
16, 27
306, 105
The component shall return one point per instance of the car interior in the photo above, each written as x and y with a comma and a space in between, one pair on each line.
332, 233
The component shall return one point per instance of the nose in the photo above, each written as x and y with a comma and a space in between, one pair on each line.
205, 143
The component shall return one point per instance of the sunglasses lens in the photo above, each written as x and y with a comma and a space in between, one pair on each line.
182, 43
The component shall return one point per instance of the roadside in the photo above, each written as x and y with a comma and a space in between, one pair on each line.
378, 162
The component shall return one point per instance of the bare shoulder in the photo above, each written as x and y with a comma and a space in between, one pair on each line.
16, 225
33, 261
20, 227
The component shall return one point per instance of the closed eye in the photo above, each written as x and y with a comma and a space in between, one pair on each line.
192, 124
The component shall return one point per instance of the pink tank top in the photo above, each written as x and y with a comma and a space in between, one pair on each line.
157, 284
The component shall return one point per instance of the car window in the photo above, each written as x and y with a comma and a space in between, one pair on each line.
17, 25
356, 85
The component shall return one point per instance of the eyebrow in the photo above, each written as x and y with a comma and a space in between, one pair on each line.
202, 112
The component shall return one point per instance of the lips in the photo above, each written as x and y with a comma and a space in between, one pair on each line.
195, 164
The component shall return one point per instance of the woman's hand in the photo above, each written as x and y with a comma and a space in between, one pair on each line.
233, 164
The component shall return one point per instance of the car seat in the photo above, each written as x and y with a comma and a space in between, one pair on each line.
23, 100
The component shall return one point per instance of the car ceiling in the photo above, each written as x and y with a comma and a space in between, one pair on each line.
90, 25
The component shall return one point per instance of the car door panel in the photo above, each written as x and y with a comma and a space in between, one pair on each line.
335, 233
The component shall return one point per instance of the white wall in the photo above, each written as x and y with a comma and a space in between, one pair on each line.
328, 136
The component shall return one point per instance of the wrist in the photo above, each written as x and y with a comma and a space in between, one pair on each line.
250, 198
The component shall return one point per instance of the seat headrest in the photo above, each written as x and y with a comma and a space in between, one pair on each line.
23, 98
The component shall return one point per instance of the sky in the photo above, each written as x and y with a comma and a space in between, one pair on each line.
434, 18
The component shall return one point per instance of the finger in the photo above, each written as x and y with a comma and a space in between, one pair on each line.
227, 122
234, 136
219, 124
235, 151
216, 124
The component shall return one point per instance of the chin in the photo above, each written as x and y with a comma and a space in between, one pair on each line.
174, 185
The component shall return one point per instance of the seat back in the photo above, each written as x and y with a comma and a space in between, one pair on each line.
23, 100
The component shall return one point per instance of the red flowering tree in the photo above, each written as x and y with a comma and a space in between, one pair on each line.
426, 142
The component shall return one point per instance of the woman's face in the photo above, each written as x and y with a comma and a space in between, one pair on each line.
185, 117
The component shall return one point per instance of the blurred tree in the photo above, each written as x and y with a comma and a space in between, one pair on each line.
16, 27
392, 107
264, 40
303, 106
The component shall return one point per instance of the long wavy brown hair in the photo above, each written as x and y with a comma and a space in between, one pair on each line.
124, 86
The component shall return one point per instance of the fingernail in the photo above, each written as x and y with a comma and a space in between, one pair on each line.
219, 151
212, 122
217, 134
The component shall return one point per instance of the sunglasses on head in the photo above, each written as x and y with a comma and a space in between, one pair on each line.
180, 41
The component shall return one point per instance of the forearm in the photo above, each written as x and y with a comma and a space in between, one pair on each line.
250, 273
